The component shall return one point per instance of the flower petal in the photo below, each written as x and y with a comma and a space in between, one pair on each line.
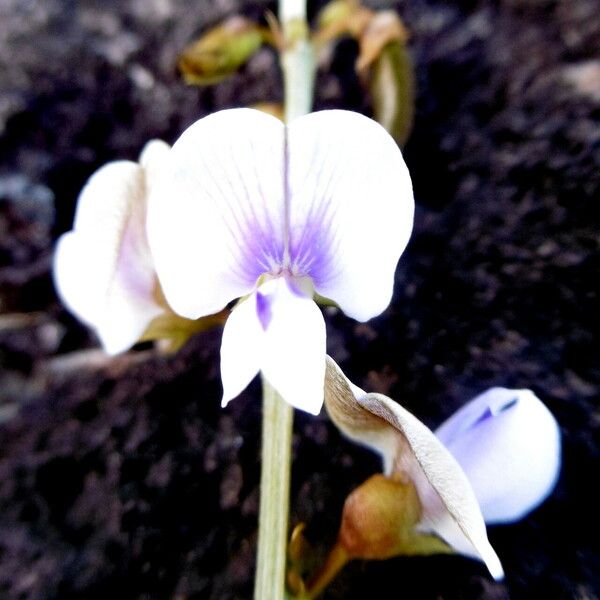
216, 218
280, 331
72, 277
294, 353
153, 158
241, 348
409, 448
103, 269
508, 444
351, 208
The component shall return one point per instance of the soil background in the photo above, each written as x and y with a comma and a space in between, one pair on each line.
122, 477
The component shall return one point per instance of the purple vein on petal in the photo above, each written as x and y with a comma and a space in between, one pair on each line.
485, 416
261, 244
301, 249
276, 251
493, 411
264, 309
286, 199
265, 243
258, 247
239, 268
312, 242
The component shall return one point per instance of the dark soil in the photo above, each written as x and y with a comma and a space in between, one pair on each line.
122, 478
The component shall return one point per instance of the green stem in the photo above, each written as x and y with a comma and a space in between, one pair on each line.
274, 495
336, 560
298, 65
297, 59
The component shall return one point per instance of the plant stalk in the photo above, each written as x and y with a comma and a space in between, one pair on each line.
274, 495
298, 66
297, 59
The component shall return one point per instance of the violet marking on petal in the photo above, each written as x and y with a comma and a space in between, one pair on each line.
264, 309
286, 199
490, 412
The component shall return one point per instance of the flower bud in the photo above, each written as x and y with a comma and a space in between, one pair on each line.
340, 18
379, 518
392, 85
508, 444
383, 28
221, 51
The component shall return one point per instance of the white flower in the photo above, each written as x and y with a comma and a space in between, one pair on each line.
252, 207
412, 453
508, 444
103, 268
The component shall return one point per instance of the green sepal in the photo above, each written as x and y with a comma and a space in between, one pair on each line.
323, 301
392, 86
341, 18
335, 11
221, 51
175, 331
